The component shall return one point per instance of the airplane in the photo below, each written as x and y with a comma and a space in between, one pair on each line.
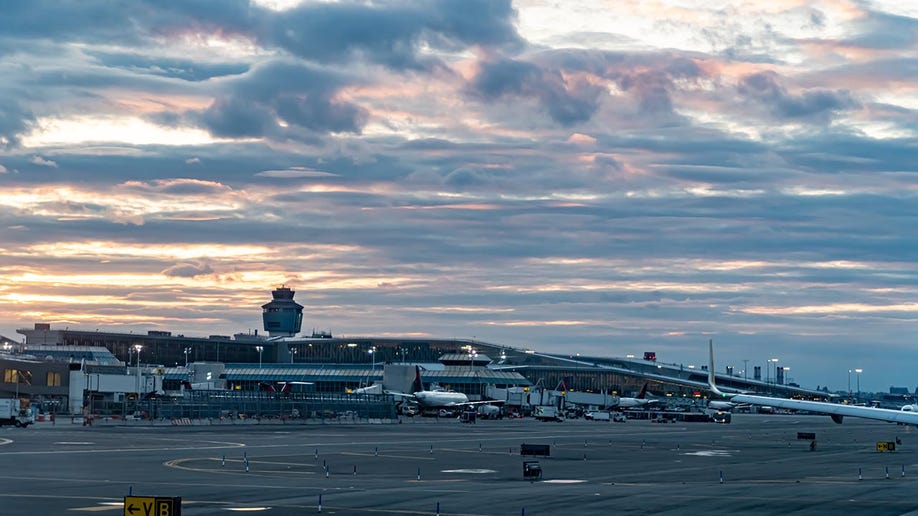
638, 401
432, 399
202, 386
284, 386
725, 405
835, 410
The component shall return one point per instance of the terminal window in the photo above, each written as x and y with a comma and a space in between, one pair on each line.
54, 379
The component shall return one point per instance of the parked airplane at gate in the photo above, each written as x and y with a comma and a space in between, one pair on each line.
638, 401
835, 410
282, 387
428, 399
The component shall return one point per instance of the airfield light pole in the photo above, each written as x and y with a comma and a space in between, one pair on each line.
372, 352
187, 351
858, 371
259, 349
137, 348
849, 383
292, 354
774, 367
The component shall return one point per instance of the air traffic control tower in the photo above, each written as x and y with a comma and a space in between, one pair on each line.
282, 316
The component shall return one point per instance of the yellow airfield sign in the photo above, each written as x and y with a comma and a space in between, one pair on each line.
152, 506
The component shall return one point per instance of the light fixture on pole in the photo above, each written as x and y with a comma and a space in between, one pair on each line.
259, 349
372, 352
773, 367
858, 371
849, 383
137, 348
187, 351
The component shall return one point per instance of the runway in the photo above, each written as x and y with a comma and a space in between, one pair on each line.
756, 465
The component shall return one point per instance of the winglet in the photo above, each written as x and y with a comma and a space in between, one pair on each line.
713, 387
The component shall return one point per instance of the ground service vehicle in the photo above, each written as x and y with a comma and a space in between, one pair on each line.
721, 417
605, 416
598, 416
11, 413
546, 413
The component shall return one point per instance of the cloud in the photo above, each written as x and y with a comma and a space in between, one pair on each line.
662, 174
568, 102
764, 88
392, 34
38, 160
3, 169
181, 186
294, 172
178, 68
277, 97
15, 120
188, 270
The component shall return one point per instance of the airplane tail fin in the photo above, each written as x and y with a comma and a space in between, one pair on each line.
711, 384
286, 388
266, 387
643, 394
186, 384
417, 386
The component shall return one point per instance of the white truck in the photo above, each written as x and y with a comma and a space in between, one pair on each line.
546, 413
605, 416
11, 413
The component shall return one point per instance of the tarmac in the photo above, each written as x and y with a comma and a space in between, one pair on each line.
755, 465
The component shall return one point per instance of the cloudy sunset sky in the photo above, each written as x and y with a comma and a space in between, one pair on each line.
593, 177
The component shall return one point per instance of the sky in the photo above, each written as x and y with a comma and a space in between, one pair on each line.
596, 177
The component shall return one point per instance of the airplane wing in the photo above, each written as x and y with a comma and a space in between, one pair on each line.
835, 410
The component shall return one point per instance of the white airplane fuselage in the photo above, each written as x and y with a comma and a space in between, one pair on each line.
433, 399
721, 405
633, 402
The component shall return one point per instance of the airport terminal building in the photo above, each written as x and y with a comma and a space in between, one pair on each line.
328, 364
